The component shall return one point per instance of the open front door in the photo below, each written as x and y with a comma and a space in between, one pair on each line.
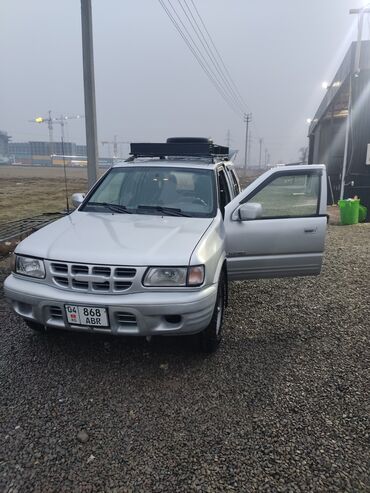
276, 227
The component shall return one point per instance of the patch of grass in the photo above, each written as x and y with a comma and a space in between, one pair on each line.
26, 192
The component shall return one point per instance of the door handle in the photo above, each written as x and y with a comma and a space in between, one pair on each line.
310, 230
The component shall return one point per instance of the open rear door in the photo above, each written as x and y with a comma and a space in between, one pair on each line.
276, 227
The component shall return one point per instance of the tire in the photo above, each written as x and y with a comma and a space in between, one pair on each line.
211, 336
35, 326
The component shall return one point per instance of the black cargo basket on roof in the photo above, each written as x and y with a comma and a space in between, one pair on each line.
192, 148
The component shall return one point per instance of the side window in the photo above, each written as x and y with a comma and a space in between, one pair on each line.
224, 193
289, 195
234, 182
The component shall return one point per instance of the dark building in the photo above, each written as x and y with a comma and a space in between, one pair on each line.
328, 130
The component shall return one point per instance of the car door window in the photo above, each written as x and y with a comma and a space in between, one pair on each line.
224, 192
235, 182
288, 195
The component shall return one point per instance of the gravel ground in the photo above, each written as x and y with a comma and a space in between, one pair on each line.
283, 405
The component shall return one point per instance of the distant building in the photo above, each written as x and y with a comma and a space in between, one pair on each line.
81, 150
38, 153
4, 148
20, 152
327, 133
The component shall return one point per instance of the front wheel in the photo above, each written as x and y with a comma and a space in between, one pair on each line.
211, 336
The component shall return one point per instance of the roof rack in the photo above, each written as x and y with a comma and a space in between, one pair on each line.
179, 147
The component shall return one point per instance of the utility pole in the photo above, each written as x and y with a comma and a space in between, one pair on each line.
247, 121
260, 157
357, 68
228, 138
266, 157
89, 92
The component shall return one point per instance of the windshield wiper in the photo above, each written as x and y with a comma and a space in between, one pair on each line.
120, 209
168, 211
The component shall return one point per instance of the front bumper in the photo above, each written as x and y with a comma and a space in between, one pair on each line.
149, 313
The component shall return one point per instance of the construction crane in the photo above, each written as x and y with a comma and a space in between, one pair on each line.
115, 143
61, 120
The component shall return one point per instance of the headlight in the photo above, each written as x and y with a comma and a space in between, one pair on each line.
28, 266
174, 276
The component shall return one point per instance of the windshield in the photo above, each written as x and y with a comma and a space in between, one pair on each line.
155, 190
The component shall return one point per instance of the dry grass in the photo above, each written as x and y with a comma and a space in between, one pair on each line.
27, 191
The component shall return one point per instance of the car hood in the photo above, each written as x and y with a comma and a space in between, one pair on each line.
117, 239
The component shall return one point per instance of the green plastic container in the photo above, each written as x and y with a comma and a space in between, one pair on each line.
349, 211
362, 213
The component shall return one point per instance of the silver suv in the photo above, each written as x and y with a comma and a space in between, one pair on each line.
151, 248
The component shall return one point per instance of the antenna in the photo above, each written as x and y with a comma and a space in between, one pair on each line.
65, 175
64, 165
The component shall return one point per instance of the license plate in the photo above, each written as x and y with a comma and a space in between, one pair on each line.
87, 315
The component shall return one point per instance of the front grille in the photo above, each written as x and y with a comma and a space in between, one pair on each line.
80, 284
79, 269
91, 278
124, 272
101, 271
101, 286
62, 281
59, 268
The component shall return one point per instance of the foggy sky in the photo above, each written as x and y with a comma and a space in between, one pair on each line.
149, 86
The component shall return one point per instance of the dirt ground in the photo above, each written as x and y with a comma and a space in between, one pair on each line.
281, 407
27, 191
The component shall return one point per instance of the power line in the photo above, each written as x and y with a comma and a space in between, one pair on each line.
204, 59
218, 54
236, 91
190, 25
202, 38
199, 57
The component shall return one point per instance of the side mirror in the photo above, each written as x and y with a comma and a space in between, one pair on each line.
250, 211
77, 199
